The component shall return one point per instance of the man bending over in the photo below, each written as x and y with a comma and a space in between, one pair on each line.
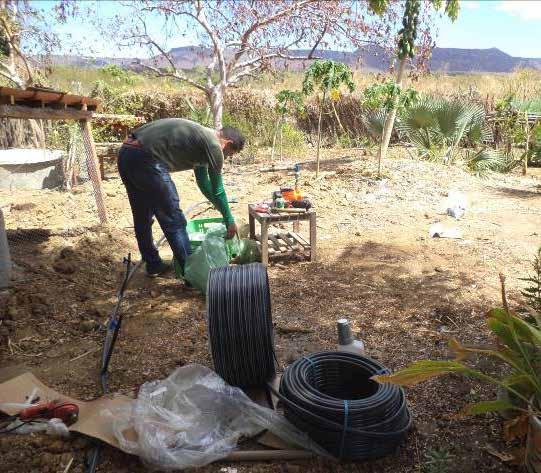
145, 162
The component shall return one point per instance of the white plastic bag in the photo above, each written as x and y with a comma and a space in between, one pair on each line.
456, 204
193, 418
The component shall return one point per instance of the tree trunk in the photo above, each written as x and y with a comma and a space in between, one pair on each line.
274, 139
321, 105
390, 118
281, 140
527, 145
216, 99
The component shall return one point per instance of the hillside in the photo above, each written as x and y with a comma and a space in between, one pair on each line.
451, 60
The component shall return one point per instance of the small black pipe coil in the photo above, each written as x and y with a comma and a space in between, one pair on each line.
329, 395
240, 324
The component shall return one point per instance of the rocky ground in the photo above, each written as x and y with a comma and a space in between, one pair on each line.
404, 292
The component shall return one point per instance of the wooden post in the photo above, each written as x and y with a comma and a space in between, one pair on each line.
265, 242
93, 167
251, 219
313, 237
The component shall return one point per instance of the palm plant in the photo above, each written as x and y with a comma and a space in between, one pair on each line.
436, 127
487, 159
326, 78
374, 121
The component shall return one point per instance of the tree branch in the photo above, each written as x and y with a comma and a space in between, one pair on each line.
311, 53
261, 23
176, 74
14, 51
218, 46
11, 76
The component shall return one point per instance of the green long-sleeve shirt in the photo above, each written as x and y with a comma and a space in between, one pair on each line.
211, 185
182, 144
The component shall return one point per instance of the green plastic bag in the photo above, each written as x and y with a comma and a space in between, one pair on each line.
213, 253
247, 252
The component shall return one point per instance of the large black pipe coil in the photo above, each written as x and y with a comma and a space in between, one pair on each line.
329, 395
240, 324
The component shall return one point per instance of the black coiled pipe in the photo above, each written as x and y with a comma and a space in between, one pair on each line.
329, 395
240, 324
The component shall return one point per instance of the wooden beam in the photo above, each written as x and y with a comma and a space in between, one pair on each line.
20, 111
93, 167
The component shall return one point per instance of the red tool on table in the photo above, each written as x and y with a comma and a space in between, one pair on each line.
67, 412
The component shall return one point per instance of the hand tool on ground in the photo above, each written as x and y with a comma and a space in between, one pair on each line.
67, 412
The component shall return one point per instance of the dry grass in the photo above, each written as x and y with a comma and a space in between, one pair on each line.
524, 84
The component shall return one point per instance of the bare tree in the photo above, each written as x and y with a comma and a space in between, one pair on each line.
26, 39
241, 38
14, 65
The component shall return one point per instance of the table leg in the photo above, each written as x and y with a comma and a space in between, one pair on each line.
313, 239
296, 226
102, 167
265, 242
251, 219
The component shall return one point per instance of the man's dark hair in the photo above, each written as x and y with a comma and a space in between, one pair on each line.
235, 136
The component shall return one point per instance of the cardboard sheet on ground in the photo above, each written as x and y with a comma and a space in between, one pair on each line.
91, 422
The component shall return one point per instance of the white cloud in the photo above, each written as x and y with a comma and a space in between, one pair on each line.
524, 9
470, 4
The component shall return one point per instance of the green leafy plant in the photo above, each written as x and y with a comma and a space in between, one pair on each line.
118, 74
406, 49
436, 127
374, 121
487, 159
326, 78
288, 103
384, 94
437, 461
532, 293
518, 354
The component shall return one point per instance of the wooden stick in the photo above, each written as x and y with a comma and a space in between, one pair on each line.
268, 455
69, 465
86, 353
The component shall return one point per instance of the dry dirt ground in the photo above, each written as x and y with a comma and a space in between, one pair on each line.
404, 292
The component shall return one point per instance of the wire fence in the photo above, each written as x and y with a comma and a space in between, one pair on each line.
48, 183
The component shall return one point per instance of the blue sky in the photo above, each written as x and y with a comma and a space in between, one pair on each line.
513, 26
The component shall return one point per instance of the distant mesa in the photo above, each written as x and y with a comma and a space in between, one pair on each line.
373, 58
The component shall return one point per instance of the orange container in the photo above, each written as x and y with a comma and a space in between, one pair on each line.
291, 194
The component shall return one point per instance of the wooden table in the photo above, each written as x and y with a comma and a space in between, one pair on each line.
284, 242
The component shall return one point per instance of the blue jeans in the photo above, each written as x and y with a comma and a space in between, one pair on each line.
152, 192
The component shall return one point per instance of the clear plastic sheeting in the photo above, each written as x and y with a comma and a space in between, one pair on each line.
193, 418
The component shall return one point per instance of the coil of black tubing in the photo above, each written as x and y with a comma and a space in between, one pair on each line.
329, 396
240, 324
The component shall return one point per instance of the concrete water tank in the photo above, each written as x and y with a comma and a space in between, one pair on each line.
30, 168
